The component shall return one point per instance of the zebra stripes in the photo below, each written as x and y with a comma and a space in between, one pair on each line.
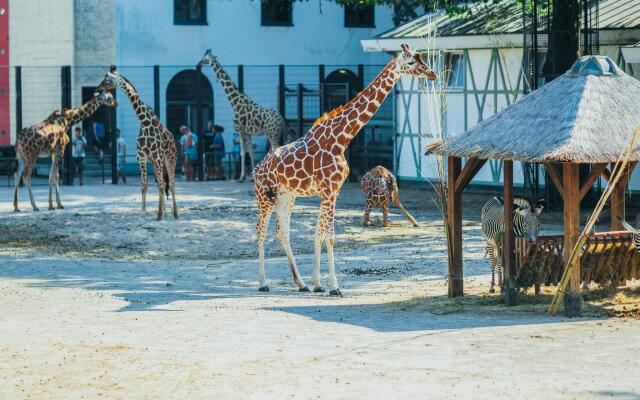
525, 224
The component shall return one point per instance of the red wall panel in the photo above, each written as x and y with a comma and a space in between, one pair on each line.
5, 115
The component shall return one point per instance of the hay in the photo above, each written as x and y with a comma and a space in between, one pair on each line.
588, 115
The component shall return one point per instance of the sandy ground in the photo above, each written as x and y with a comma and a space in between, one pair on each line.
101, 301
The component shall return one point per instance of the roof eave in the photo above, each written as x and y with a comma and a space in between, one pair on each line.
444, 42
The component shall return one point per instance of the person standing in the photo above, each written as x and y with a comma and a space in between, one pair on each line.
218, 152
189, 142
121, 156
79, 144
208, 154
235, 155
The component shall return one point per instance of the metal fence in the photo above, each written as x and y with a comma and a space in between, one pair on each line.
187, 95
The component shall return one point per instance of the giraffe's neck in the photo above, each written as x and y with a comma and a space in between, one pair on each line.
356, 113
83, 112
143, 112
233, 93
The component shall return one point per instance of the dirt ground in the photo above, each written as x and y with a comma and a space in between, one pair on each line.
101, 300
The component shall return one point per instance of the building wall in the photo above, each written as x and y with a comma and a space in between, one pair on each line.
146, 35
41, 38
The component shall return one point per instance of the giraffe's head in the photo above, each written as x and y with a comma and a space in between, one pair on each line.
207, 58
110, 81
106, 98
411, 63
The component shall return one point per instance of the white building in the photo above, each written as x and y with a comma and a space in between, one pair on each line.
483, 55
89, 35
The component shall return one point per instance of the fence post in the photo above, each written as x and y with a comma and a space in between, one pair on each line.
241, 77
300, 109
18, 99
281, 97
360, 76
199, 126
65, 102
156, 90
113, 126
321, 88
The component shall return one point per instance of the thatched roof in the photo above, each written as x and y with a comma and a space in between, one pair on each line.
587, 115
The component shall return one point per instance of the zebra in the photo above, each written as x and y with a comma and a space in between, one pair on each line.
635, 231
525, 224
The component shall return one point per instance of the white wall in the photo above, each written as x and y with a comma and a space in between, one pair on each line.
147, 35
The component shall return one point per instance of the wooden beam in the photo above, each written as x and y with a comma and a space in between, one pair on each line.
618, 209
454, 215
470, 170
508, 252
606, 175
588, 184
571, 182
555, 177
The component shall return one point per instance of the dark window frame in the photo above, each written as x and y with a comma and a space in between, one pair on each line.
274, 22
352, 21
201, 21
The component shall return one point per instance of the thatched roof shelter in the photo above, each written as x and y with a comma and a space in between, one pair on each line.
588, 115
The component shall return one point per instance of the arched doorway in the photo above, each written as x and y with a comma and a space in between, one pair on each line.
187, 90
339, 87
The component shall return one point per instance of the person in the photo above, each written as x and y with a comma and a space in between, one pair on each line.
121, 156
208, 155
99, 138
189, 142
218, 152
79, 143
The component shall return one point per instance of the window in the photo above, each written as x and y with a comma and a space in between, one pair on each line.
454, 70
359, 16
276, 13
190, 12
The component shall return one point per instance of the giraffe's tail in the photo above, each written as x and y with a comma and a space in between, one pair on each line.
396, 201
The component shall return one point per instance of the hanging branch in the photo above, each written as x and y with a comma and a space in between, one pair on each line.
616, 174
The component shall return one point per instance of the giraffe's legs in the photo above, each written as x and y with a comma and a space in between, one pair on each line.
325, 233
171, 172
54, 178
27, 182
329, 204
17, 177
385, 213
245, 144
158, 169
284, 206
264, 215
142, 161
368, 207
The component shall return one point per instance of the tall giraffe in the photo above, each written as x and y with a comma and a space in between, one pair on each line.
315, 165
155, 143
249, 117
50, 137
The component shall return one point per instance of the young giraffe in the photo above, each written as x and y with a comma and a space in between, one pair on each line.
50, 137
380, 187
155, 143
249, 117
315, 165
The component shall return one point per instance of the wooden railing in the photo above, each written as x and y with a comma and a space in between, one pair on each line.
606, 258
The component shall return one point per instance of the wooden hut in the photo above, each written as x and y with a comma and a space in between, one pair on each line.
588, 115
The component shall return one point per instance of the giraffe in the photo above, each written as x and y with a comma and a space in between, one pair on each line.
315, 165
249, 117
155, 143
50, 137
380, 187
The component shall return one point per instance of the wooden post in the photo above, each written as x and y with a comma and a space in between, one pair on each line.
508, 248
571, 186
454, 213
617, 205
